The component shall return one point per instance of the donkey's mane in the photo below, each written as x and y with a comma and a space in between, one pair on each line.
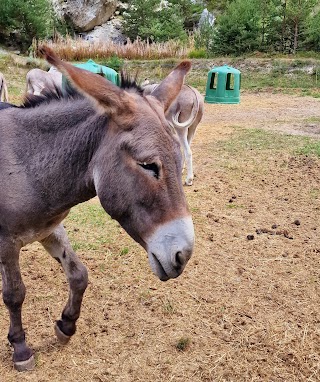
48, 96
70, 93
130, 83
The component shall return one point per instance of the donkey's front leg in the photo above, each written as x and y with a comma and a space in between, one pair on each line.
13, 292
58, 245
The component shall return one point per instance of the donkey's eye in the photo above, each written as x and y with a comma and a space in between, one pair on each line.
152, 167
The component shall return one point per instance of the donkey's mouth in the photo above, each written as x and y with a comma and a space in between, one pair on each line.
170, 247
158, 268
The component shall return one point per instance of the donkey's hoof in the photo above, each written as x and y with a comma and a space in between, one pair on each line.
188, 182
63, 338
26, 365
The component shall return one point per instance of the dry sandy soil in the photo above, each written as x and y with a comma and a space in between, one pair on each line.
247, 306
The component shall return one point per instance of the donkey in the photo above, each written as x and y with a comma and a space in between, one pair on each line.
109, 141
3, 89
38, 80
184, 115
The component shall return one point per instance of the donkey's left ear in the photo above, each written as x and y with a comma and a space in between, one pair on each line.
111, 99
170, 87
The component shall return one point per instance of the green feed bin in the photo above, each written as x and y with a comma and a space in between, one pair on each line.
223, 85
91, 66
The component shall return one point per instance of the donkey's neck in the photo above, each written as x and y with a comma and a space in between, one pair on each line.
62, 140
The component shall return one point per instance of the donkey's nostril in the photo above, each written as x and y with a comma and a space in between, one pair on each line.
179, 261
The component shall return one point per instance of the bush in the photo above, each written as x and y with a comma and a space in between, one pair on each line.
149, 20
114, 62
22, 20
198, 53
237, 30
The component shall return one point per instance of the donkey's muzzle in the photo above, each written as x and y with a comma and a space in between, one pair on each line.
170, 248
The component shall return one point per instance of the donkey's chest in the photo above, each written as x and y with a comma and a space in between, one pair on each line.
37, 234
28, 229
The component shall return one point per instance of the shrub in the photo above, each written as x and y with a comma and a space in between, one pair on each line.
151, 20
21, 20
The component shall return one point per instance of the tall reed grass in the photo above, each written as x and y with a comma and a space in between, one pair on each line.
77, 49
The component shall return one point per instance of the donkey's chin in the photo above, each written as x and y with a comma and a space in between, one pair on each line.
170, 248
158, 269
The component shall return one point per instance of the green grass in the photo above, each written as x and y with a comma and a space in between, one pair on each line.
261, 140
90, 228
310, 148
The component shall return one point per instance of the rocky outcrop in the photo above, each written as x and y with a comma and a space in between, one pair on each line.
110, 31
84, 15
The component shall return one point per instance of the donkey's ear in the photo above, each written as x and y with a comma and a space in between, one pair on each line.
113, 100
170, 87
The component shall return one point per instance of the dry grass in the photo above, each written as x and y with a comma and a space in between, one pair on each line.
79, 49
243, 310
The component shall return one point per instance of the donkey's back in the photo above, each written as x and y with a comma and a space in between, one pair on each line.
38, 80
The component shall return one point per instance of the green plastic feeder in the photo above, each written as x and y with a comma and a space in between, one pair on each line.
223, 85
91, 66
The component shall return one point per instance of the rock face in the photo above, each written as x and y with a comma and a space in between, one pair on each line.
110, 31
86, 14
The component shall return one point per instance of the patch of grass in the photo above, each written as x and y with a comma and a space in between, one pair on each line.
310, 148
168, 307
315, 193
92, 214
183, 343
282, 78
233, 205
124, 251
262, 140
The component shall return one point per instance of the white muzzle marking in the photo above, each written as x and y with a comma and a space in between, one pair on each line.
170, 247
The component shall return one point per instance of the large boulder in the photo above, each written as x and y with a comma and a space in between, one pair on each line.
86, 14
110, 31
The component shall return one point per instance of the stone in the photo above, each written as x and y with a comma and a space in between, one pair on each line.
86, 14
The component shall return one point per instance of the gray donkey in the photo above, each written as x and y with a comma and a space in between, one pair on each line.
54, 154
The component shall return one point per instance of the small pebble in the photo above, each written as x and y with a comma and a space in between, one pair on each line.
250, 237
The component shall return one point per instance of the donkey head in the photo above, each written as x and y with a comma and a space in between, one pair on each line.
136, 170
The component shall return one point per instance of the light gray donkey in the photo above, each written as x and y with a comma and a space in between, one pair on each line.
184, 115
109, 141
39, 80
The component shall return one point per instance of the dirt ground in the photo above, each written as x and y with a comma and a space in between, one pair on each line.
247, 306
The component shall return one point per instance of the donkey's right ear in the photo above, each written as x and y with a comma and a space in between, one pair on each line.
111, 99
170, 87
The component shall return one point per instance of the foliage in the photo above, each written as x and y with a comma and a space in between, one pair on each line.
261, 25
153, 21
198, 53
22, 20
216, 6
114, 62
312, 32
237, 29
